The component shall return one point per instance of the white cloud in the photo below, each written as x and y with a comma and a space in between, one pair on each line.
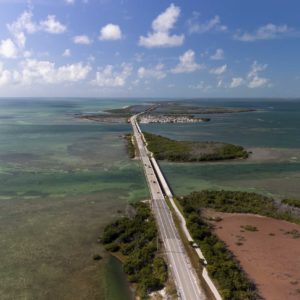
218, 55
8, 49
52, 25
72, 72
25, 25
34, 71
210, 25
22, 25
253, 79
266, 32
157, 72
67, 53
109, 77
110, 32
5, 76
257, 82
70, 1
236, 82
82, 39
219, 71
187, 63
161, 27
220, 83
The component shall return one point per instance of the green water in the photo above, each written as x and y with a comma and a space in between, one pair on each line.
61, 181
278, 180
117, 287
274, 126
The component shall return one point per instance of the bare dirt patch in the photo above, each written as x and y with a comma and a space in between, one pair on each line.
270, 255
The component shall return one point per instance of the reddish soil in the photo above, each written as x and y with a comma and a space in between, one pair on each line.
270, 256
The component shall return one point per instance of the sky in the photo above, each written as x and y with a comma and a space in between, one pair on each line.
150, 48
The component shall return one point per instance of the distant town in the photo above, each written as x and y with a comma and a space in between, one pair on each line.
146, 119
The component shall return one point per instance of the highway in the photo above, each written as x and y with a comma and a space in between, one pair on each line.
185, 278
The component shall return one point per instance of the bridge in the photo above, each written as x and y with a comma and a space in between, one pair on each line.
185, 278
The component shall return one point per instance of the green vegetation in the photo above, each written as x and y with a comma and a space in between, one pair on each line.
295, 234
175, 108
181, 108
292, 202
236, 202
249, 228
136, 239
222, 266
166, 149
130, 145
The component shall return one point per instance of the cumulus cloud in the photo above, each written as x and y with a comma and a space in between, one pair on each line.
161, 27
187, 63
253, 79
67, 53
82, 39
236, 82
218, 55
157, 72
266, 32
25, 25
22, 25
213, 24
5, 75
110, 32
32, 71
218, 71
52, 25
46, 72
8, 49
109, 77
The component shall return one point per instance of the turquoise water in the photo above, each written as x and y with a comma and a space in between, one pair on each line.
63, 179
274, 126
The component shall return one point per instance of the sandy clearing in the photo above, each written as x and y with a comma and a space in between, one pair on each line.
270, 256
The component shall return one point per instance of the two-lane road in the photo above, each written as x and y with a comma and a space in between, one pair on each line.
185, 278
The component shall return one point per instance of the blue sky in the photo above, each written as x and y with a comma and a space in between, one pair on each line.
154, 48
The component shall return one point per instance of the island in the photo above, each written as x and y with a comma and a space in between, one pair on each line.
164, 148
161, 112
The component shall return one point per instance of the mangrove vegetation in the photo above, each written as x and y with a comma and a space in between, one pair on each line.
135, 239
184, 151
